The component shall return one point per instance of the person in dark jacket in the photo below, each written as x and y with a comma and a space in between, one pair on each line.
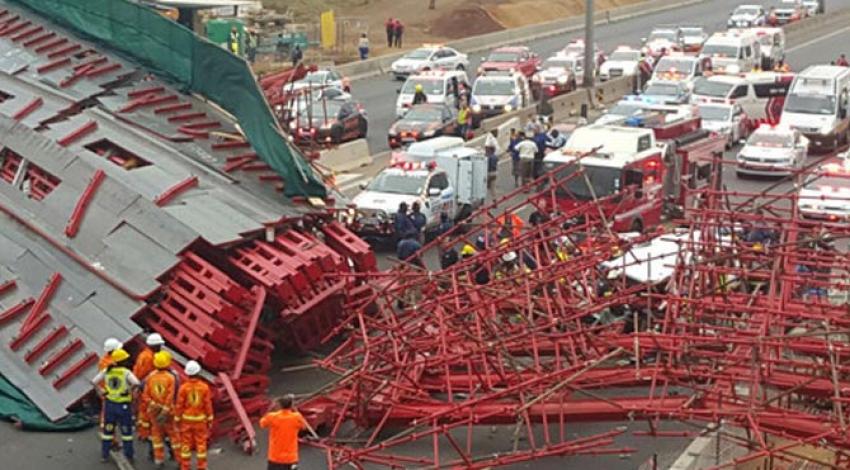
516, 167
296, 55
398, 31
402, 222
540, 138
390, 27
419, 96
407, 248
417, 218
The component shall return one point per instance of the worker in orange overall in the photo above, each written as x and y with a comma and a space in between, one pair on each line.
284, 423
158, 399
194, 417
141, 369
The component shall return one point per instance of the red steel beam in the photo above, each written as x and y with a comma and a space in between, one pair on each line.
75, 369
60, 356
169, 194
27, 331
7, 286
78, 134
28, 109
256, 311
46, 343
76, 218
43, 299
244, 420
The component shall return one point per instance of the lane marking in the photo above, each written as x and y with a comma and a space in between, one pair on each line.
818, 39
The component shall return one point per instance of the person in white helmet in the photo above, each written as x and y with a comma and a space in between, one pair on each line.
193, 414
141, 369
111, 344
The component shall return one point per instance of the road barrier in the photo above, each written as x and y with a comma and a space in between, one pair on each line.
381, 64
347, 157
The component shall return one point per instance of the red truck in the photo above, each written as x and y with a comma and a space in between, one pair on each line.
511, 59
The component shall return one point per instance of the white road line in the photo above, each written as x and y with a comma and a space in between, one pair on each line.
817, 40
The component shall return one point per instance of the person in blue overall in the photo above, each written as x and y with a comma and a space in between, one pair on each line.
118, 383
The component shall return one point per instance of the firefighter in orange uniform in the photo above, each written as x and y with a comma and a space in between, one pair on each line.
158, 399
111, 344
194, 416
141, 369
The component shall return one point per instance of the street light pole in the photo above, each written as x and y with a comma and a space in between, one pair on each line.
589, 50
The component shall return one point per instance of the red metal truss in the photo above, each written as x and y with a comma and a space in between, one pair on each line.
753, 335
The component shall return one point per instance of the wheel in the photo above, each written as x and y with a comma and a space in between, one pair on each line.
460, 68
637, 226
741, 175
362, 128
336, 134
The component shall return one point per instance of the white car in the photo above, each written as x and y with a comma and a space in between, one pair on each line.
624, 61
494, 94
826, 194
747, 16
320, 79
429, 58
678, 67
576, 48
662, 40
773, 151
725, 119
815, 7
439, 87
693, 37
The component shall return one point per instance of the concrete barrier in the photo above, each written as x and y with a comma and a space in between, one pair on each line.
379, 65
347, 157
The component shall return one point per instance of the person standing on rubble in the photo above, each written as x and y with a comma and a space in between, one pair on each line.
141, 369
193, 413
117, 392
158, 398
284, 423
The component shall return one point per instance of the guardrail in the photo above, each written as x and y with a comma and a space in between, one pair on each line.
381, 64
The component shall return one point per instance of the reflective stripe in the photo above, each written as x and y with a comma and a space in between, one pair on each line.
116, 386
106, 437
127, 438
201, 455
195, 418
159, 446
185, 453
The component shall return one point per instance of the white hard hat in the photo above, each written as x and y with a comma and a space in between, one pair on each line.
563, 240
509, 257
154, 339
192, 368
111, 344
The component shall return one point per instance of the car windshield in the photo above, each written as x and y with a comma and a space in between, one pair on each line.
424, 113
322, 110
827, 182
706, 87
720, 50
625, 55
715, 113
503, 56
662, 89
691, 32
493, 87
810, 104
746, 11
770, 140
662, 35
430, 86
316, 77
418, 54
625, 109
398, 183
559, 63
574, 49
668, 64
603, 181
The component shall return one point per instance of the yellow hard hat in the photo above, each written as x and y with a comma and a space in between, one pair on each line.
758, 246
467, 250
162, 360
418, 87
119, 355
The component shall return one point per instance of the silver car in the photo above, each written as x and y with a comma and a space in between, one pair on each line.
773, 151
429, 58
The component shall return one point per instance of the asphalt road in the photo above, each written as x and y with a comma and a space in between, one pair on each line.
378, 94
73, 451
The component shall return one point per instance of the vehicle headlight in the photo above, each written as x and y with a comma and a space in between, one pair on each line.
508, 108
476, 108
825, 129
562, 80
733, 68
428, 133
392, 133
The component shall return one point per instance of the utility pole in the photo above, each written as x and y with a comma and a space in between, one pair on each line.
589, 50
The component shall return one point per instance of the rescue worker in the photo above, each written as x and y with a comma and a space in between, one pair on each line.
842, 61
509, 265
555, 140
418, 219
158, 397
193, 414
563, 248
419, 96
492, 150
144, 366
233, 40
117, 392
463, 121
111, 344
527, 150
407, 248
284, 423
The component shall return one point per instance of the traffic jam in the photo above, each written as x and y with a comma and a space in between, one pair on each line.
697, 92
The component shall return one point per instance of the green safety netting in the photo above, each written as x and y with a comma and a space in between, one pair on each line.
16, 407
177, 54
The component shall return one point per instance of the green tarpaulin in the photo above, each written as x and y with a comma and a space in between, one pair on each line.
177, 54
16, 407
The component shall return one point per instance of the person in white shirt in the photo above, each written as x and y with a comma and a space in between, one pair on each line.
527, 149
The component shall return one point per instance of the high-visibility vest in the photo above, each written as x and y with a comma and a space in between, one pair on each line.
116, 386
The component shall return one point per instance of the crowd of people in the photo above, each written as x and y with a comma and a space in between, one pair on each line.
528, 148
172, 409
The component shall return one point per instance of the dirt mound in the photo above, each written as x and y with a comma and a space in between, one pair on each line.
464, 22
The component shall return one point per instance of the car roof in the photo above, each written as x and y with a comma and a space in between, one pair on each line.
511, 49
731, 79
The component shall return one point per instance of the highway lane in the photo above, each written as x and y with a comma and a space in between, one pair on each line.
378, 94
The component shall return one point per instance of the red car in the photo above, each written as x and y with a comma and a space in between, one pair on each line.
511, 59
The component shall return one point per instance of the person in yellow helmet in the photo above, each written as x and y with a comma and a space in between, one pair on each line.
419, 96
158, 402
118, 383
467, 251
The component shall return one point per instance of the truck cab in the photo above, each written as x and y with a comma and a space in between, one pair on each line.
817, 106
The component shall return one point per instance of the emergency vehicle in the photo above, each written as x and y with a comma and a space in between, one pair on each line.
817, 105
772, 151
679, 67
725, 119
825, 196
648, 165
663, 40
498, 92
772, 42
760, 94
440, 174
559, 74
732, 52
440, 86
624, 61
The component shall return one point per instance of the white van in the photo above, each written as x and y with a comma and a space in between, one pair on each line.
760, 94
439, 87
678, 67
499, 92
732, 52
817, 105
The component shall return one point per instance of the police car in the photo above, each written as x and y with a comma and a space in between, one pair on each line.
429, 57
726, 119
826, 193
624, 61
773, 151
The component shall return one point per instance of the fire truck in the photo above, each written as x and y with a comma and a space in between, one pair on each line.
641, 169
